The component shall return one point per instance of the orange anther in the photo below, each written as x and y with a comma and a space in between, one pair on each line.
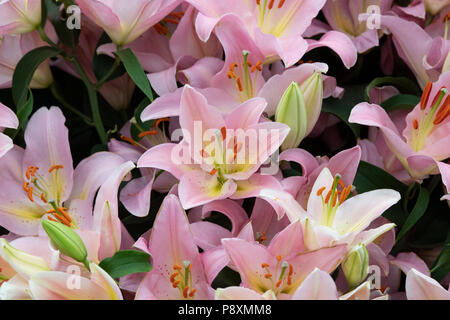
192, 292
30, 194
55, 167
233, 66
327, 198
177, 267
185, 292
43, 198
213, 171
173, 276
281, 3
62, 219
443, 112
63, 211
289, 280
258, 2
238, 81
148, 133
257, 66
128, 139
341, 183
268, 275
279, 258
291, 270
159, 121
278, 283
25, 186
425, 95
52, 219
446, 17
271, 4
175, 284
264, 265
437, 96
415, 124
223, 131
168, 20
320, 191
51, 211
33, 171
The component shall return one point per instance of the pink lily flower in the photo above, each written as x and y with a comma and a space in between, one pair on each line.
275, 26
52, 285
424, 54
19, 16
12, 49
421, 287
211, 173
282, 266
40, 181
178, 271
175, 55
8, 119
125, 21
241, 78
424, 140
343, 15
331, 218
136, 195
345, 163
444, 168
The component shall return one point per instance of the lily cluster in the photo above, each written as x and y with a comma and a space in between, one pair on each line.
239, 160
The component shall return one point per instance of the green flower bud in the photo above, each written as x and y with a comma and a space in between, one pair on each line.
292, 111
67, 241
355, 266
312, 89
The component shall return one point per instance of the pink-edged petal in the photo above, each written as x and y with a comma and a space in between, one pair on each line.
302, 157
420, 287
406, 261
47, 140
8, 118
285, 200
200, 74
231, 209
346, 164
208, 235
339, 43
253, 186
288, 242
214, 260
162, 156
17, 213
135, 196
106, 215
198, 187
6, 144
165, 106
356, 213
318, 285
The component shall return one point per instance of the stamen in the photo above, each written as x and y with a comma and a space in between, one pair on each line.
341, 183
62, 219
238, 81
223, 131
148, 133
258, 2
55, 167
177, 267
52, 219
213, 171
30, 194
185, 292
280, 5
168, 20
257, 66
158, 121
175, 284
268, 275
192, 292
415, 124
439, 96
25, 186
261, 236
320, 191
425, 95
271, 4
264, 265
327, 198
443, 113
446, 17
63, 211
278, 284
161, 29
279, 258
173, 276
128, 139
43, 198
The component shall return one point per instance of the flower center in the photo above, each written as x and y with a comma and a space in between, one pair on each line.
430, 117
37, 187
173, 18
337, 194
274, 24
282, 277
244, 76
181, 278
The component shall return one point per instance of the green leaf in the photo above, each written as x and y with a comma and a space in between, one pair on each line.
24, 111
25, 70
401, 101
343, 107
370, 177
405, 85
441, 267
126, 262
136, 72
418, 211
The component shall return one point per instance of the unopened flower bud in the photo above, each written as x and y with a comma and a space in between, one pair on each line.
312, 89
292, 111
65, 240
355, 266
